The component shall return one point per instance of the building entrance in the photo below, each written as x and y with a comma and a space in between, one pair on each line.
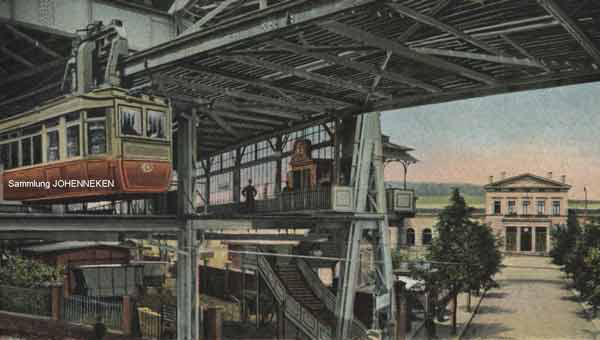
540, 239
511, 238
526, 239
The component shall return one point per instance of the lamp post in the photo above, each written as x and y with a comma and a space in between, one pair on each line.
585, 204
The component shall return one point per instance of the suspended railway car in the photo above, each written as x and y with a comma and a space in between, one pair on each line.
102, 145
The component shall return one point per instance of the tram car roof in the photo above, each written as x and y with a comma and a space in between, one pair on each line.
97, 94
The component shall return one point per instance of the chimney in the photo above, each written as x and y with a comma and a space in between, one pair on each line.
491, 179
563, 179
503, 175
549, 175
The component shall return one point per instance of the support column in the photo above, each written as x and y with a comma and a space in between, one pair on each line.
237, 176
347, 282
533, 239
337, 143
2, 182
56, 294
518, 239
278, 165
243, 302
402, 312
383, 253
187, 306
548, 240
368, 194
127, 316
214, 320
257, 276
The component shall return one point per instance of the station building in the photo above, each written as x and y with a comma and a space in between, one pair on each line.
523, 209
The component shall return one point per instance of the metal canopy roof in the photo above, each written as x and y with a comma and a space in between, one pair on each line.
254, 72
255, 68
32, 63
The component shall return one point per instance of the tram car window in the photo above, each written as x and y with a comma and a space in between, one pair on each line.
131, 121
105, 137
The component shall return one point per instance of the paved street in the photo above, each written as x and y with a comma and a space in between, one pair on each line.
531, 304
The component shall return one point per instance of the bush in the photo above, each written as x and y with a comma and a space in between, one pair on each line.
22, 272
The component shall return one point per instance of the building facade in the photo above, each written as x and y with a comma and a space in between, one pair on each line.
418, 231
524, 209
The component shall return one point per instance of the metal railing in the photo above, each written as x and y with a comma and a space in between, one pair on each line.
85, 310
279, 203
294, 311
358, 331
150, 323
33, 301
158, 325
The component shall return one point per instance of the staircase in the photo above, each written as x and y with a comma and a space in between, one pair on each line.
305, 286
299, 289
298, 314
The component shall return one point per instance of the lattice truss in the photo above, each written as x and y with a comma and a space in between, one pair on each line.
195, 14
252, 69
31, 66
314, 60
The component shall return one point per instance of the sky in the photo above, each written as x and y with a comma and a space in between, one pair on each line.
539, 131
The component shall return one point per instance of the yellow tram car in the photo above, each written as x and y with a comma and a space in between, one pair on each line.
102, 145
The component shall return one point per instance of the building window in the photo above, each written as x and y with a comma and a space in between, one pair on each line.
426, 236
497, 208
410, 237
556, 208
541, 205
511, 208
525, 207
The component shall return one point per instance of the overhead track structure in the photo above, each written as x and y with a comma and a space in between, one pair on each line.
32, 64
291, 63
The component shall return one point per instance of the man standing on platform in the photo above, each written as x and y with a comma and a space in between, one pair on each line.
249, 193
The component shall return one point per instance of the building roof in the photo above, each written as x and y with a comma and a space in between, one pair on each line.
539, 179
396, 152
69, 245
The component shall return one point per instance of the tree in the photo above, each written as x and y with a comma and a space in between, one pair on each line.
18, 271
564, 239
583, 264
465, 253
591, 284
484, 259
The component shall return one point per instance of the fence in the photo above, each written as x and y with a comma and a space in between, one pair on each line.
150, 323
161, 326
280, 202
85, 310
34, 301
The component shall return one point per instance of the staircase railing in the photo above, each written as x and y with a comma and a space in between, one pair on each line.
358, 331
294, 311
315, 284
